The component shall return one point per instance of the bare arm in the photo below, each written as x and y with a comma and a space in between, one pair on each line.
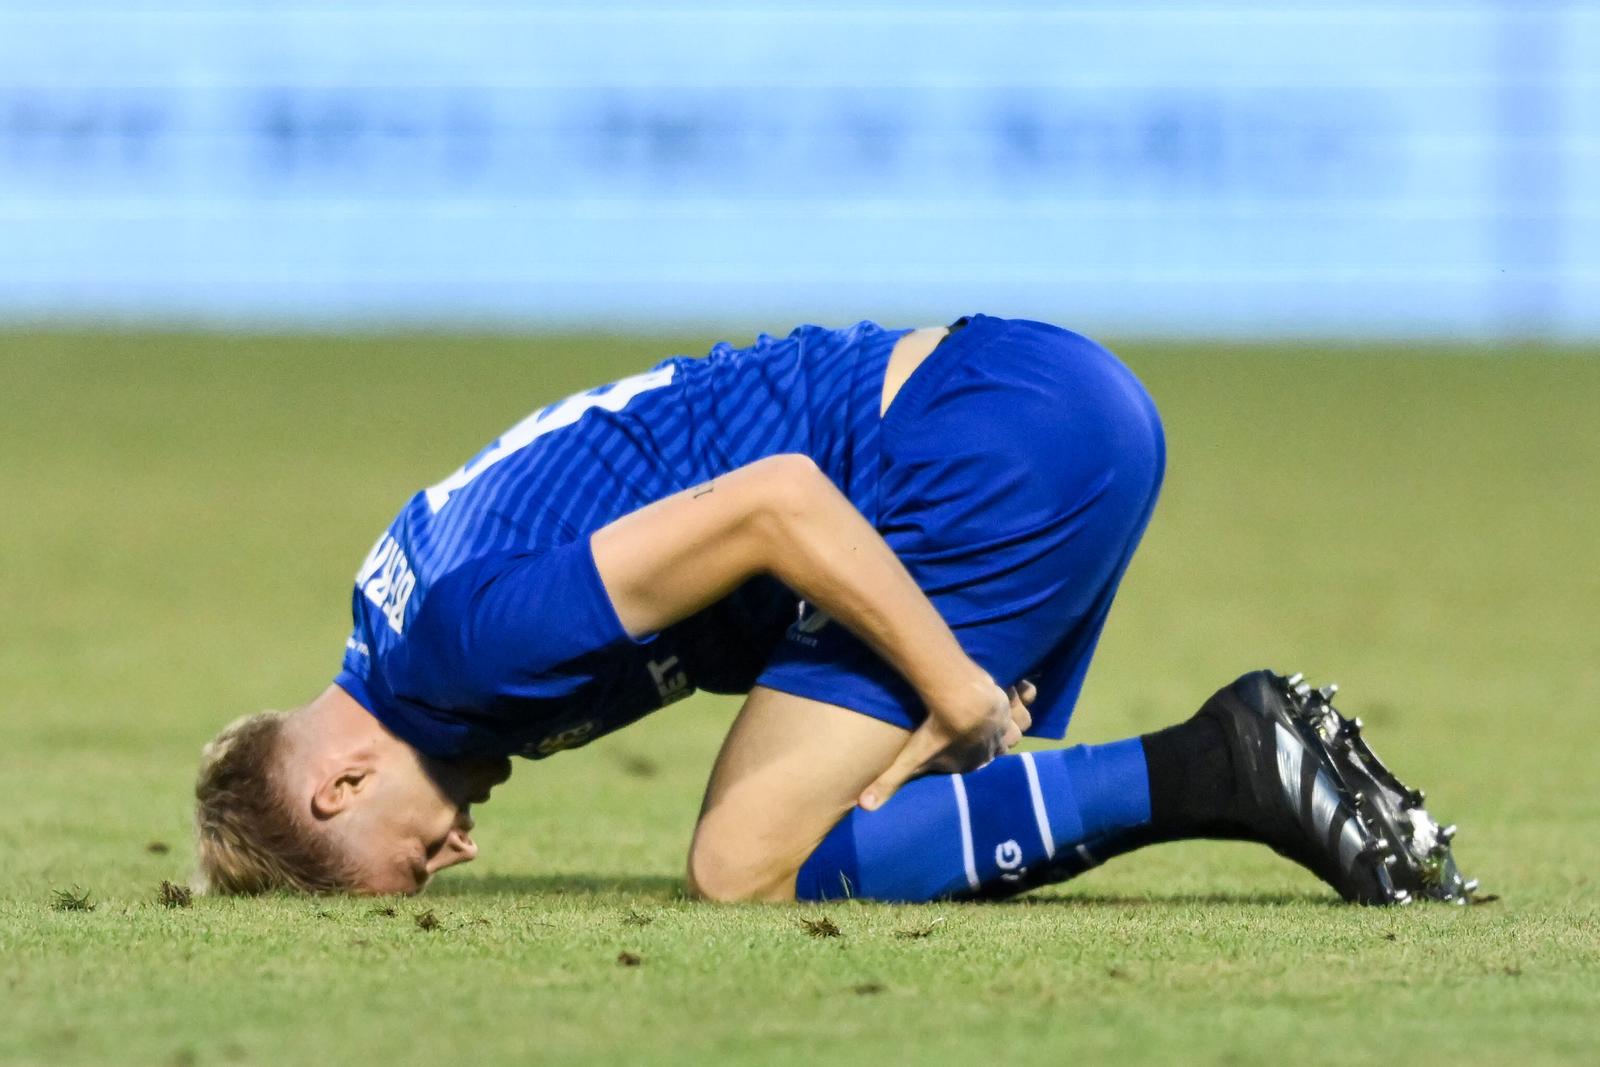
782, 516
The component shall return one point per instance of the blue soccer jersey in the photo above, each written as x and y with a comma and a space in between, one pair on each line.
481, 625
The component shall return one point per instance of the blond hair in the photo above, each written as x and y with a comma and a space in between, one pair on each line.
248, 839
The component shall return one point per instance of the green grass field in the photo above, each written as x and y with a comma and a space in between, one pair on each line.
179, 519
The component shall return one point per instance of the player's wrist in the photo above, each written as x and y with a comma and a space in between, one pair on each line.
968, 701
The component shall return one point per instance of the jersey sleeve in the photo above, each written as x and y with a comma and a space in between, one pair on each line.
531, 625
543, 610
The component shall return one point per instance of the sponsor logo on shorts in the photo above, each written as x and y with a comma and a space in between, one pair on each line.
808, 624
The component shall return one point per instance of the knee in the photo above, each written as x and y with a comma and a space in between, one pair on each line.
726, 872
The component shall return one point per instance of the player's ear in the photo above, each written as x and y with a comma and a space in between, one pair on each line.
340, 790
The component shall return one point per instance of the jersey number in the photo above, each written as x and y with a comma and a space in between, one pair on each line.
614, 397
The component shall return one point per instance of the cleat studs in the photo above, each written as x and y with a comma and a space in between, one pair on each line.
1390, 860
1447, 834
1303, 690
1352, 726
1295, 679
1469, 887
1401, 896
1414, 798
1327, 692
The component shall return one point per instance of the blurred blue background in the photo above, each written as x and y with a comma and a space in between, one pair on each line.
1286, 169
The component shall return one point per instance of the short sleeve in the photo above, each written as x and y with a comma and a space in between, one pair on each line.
539, 611
523, 625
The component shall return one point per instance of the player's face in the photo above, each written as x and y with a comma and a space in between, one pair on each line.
418, 819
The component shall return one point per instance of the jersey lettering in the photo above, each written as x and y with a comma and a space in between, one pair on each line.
386, 579
614, 397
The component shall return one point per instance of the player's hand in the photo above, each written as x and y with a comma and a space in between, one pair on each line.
962, 736
1022, 695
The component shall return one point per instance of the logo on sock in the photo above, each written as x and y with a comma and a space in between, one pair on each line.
1008, 857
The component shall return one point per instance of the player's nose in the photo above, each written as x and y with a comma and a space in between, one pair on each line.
466, 848
458, 848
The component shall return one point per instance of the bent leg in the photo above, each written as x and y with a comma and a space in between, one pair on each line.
1016, 481
779, 820
788, 771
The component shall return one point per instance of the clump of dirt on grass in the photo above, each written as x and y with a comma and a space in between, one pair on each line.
428, 921
823, 927
158, 848
637, 918
74, 899
917, 933
387, 911
629, 959
867, 989
172, 895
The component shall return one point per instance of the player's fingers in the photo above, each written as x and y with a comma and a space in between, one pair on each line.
1021, 714
1013, 735
1027, 692
919, 748
1021, 717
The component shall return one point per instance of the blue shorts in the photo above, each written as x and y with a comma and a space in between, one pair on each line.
1019, 466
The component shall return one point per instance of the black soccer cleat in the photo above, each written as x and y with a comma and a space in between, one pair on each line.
1312, 789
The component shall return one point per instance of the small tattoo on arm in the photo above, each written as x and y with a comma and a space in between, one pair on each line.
702, 490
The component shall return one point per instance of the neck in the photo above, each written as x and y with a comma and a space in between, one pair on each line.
331, 731
907, 356
336, 713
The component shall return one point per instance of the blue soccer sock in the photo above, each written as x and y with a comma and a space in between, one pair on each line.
1020, 821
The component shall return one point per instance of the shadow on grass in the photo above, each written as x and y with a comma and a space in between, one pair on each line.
1048, 898
656, 886
665, 888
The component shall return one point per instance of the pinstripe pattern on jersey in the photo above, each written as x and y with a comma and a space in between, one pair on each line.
815, 391
582, 462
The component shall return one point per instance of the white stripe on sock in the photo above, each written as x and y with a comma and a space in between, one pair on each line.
966, 830
1040, 815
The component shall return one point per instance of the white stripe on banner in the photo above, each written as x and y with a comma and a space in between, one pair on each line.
1040, 815
966, 830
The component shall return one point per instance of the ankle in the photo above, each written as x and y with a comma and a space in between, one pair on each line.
1193, 787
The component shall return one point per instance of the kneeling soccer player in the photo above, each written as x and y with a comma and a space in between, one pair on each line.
902, 545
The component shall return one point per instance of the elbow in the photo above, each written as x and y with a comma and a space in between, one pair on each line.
792, 487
